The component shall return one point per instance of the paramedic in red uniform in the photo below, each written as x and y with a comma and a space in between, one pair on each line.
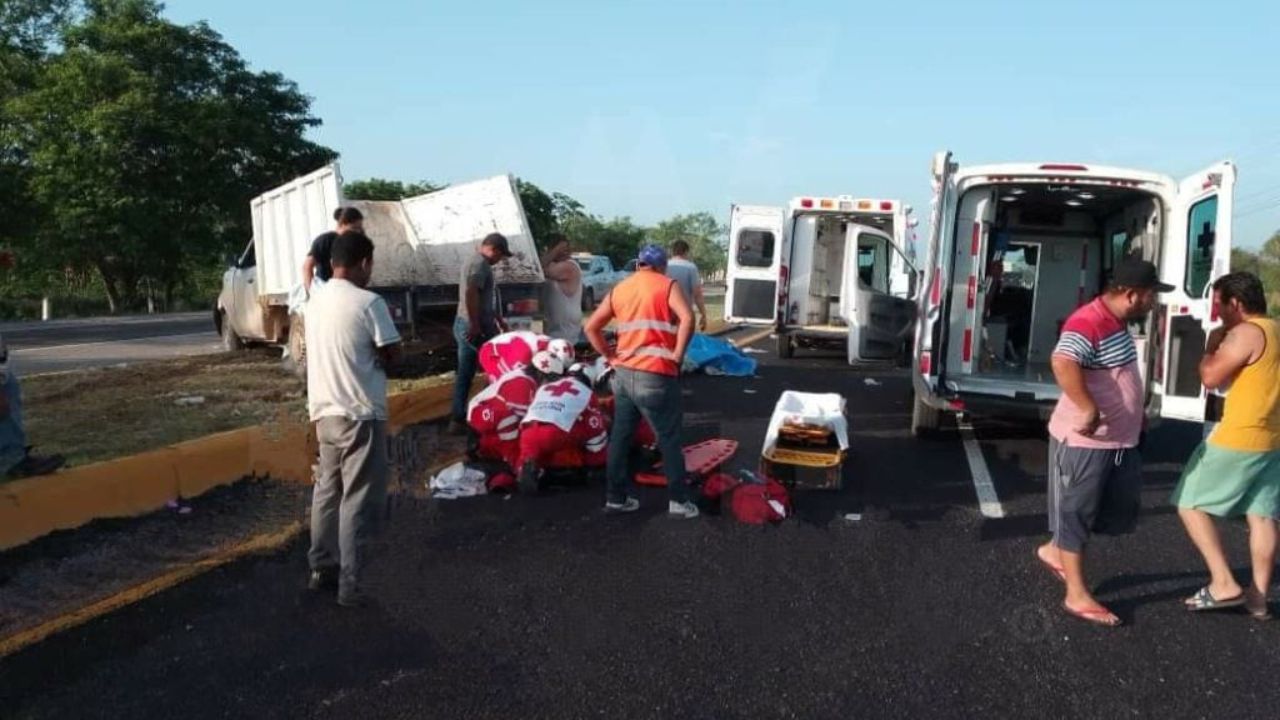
512, 350
654, 324
495, 414
562, 429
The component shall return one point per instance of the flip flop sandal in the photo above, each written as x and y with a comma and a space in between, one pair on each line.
1055, 569
1204, 601
1101, 616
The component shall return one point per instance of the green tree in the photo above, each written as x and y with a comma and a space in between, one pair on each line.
539, 212
143, 142
619, 239
381, 189
707, 238
1245, 260
27, 29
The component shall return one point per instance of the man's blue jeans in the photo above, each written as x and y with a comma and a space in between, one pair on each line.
13, 441
657, 398
468, 359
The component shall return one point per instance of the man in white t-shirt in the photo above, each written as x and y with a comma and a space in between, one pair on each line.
351, 340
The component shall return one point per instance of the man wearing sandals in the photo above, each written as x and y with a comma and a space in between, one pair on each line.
1236, 471
1095, 472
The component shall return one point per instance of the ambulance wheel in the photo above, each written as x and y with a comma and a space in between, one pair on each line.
786, 346
925, 419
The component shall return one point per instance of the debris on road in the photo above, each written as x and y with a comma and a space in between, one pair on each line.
189, 400
457, 481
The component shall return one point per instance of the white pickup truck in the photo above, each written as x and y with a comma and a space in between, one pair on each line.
420, 245
598, 278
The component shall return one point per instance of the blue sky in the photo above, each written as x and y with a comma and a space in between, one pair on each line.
651, 109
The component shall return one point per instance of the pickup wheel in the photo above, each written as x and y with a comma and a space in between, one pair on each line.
297, 361
231, 342
786, 346
925, 419
588, 300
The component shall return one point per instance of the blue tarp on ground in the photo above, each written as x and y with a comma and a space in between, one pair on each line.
717, 357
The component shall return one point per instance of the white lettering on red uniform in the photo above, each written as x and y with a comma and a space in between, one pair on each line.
559, 403
502, 404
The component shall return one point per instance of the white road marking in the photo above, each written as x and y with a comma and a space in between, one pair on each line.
988, 503
45, 349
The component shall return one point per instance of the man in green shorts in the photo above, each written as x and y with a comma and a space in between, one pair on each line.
1236, 471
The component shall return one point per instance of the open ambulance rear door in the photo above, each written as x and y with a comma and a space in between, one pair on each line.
933, 294
1197, 251
879, 322
755, 264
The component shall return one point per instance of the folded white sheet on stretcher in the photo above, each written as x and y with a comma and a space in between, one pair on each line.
797, 408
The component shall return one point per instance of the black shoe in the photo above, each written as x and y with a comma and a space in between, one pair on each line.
456, 428
528, 478
34, 465
322, 580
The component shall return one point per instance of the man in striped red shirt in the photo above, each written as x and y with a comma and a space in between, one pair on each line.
1095, 472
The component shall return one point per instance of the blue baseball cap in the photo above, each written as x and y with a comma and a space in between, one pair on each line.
653, 256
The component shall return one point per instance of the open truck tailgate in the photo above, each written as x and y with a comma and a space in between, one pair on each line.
450, 223
285, 221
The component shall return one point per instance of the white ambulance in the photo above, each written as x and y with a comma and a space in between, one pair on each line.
1013, 249
823, 271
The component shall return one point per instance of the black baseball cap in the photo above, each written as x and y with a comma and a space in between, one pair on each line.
498, 242
1136, 273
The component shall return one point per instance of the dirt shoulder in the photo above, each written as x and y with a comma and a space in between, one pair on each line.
99, 414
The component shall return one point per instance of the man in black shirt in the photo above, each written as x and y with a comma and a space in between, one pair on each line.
317, 263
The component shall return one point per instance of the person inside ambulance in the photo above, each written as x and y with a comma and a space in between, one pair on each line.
563, 431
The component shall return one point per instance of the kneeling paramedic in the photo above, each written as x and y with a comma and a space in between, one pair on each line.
562, 430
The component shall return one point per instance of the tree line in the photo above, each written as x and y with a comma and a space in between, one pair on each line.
130, 147
1265, 263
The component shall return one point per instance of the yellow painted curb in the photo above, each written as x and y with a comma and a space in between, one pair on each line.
138, 484
261, 543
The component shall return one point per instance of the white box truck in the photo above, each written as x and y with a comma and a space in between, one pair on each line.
1014, 249
420, 245
823, 271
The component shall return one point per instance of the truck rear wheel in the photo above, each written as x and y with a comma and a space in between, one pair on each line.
231, 342
588, 300
925, 419
786, 346
297, 361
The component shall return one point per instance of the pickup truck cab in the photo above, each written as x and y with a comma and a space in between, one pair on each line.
1015, 248
598, 278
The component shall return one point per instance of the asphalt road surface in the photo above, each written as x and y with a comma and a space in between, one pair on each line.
927, 605
61, 345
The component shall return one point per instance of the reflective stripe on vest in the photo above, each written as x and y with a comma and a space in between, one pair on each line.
645, 324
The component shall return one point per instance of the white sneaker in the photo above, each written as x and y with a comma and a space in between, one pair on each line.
629, 505
684, 510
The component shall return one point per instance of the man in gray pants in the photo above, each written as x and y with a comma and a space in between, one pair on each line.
351, 339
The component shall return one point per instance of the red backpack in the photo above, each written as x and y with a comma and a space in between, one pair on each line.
752, 503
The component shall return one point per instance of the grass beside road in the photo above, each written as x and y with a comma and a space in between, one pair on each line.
100, 414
